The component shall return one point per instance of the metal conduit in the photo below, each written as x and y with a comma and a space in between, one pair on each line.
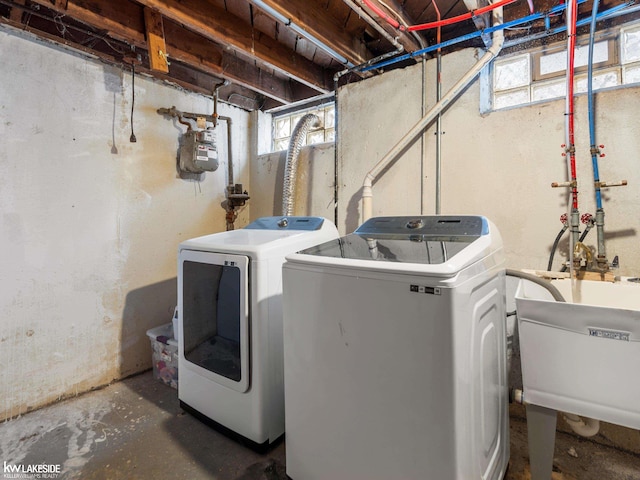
301, 31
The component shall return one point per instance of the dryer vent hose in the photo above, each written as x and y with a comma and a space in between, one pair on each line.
293, 152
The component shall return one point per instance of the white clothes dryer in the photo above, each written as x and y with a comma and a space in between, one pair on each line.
230, 324
395, 353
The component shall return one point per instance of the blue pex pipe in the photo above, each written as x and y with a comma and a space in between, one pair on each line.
513, 23
592, 121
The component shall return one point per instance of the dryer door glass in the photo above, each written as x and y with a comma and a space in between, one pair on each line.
214, 318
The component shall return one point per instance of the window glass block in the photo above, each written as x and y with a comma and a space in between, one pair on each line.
600, 54
315, 137
511, 98
600, 80
553, 63
330, 135
511, 73
280, 144
549, 90
631, 74
630, 40
282, 127
330, 117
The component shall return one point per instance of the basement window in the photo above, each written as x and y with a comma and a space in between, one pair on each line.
283, 126
539, 75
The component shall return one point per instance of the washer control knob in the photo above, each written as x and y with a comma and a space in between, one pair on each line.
283, 223
417, 223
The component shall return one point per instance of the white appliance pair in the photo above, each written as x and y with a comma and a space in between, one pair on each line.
394, 344
230, 324
395, 353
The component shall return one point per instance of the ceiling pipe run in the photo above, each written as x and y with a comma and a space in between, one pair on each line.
301, 31
371, 21
418, 128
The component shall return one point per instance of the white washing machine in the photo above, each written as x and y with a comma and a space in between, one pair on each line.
230, 324
395, 353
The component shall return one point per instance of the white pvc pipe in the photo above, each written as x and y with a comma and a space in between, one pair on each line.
583, 426
372, 175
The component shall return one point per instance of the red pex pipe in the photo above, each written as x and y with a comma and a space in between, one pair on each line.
459, 18
382, 14
571, 33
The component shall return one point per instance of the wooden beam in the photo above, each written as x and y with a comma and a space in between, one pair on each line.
220, 26
182, 75
120, 19
190, 48
155, 41
124, 20
16, 12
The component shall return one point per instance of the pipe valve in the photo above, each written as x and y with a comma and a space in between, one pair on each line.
587, 218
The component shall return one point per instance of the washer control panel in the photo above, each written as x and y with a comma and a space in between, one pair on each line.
450, 225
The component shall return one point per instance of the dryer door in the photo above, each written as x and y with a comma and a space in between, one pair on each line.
213, 302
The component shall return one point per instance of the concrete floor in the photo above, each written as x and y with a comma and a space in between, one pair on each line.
135, 429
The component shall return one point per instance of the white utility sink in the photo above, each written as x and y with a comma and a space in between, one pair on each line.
582, 356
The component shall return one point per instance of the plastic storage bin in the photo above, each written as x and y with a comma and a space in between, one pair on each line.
164, 354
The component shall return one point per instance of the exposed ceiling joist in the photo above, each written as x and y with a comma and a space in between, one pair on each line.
124, 20
222, 27
16, 12
274, 53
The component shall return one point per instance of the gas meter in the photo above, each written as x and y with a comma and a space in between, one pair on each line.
198, 152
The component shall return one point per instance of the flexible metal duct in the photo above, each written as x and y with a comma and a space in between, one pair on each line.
291, 167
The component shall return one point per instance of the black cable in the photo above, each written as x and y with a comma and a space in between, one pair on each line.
555, 246
132, 138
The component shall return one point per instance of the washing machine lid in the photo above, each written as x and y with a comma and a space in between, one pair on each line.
441, 245
267, 237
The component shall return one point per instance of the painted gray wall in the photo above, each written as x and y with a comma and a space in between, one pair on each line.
90, 222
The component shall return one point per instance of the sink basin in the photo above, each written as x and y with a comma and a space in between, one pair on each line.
582, 356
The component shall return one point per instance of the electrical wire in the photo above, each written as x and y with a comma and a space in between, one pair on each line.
133, 138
